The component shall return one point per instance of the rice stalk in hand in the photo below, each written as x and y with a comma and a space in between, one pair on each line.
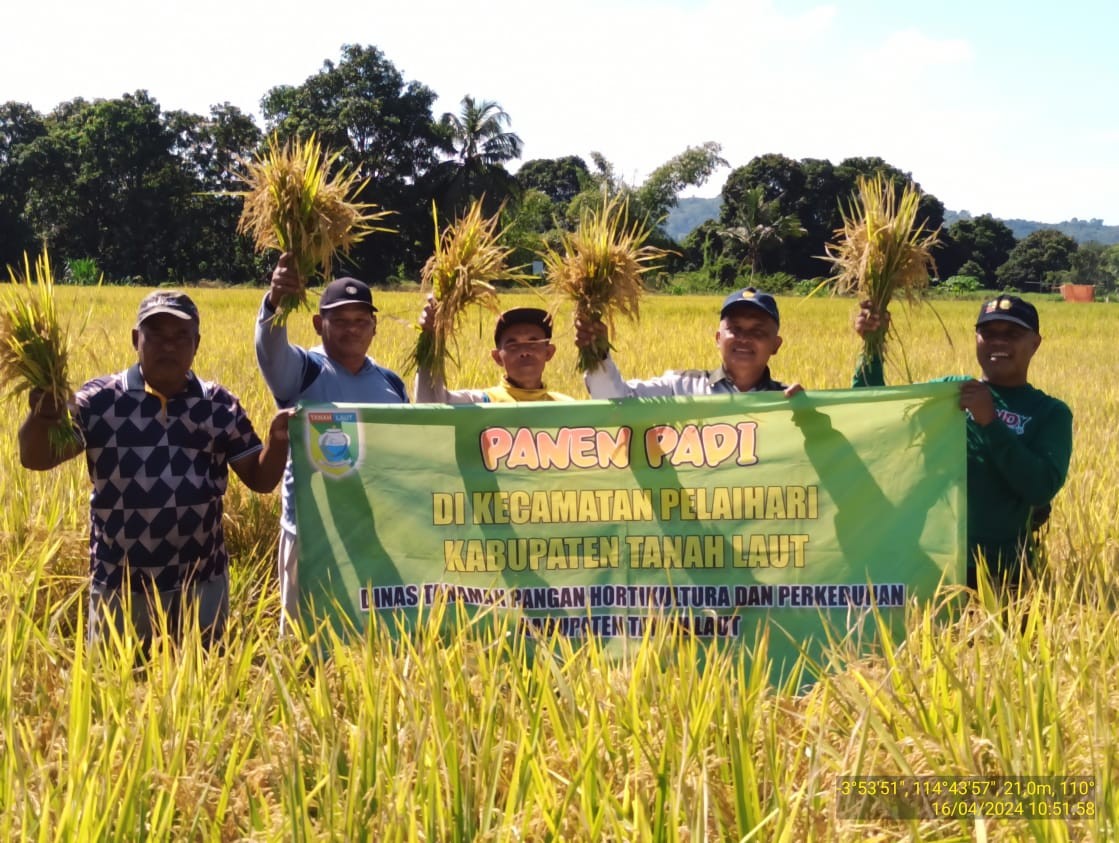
469, 259
881, 251
34, 347
599, 267
298, 199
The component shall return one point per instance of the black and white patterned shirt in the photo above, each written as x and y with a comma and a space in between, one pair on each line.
159, 473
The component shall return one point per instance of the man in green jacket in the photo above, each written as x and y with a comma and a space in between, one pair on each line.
1019, 440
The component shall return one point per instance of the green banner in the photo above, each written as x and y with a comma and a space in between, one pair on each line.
725, 513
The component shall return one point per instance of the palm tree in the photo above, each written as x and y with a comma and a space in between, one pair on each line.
480, 145
761, 225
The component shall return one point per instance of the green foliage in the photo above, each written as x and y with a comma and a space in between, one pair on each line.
1037, 262
1094, 264
525, 223
979, 247
83, 272
127, 184
960, 285
760, 225
561, 179
691, 168
811, 192
384, 127
20, 124
479, 146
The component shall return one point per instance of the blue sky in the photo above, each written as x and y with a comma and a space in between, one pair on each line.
993, 106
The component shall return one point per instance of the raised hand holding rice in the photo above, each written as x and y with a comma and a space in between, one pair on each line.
294, 205
34, 351
599, 267
469, 259
882, 251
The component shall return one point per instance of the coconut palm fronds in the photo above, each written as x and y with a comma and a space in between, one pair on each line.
881, 251
599, 267
293, 202
34, 347
469, 259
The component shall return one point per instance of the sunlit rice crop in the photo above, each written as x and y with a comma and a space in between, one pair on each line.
599, 267
469, 259
298, 199
881, 251
34, 346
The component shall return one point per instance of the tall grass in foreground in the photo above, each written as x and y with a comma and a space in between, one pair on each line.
456, 734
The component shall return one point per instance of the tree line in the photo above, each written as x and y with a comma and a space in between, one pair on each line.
122, 187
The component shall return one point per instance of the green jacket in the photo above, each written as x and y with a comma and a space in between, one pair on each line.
1015, 465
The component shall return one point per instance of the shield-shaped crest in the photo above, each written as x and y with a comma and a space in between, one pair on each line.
334, 442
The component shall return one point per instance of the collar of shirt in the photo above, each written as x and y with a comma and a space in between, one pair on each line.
719, 376
321, 352
134, 382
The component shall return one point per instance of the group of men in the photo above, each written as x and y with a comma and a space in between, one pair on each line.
159, 441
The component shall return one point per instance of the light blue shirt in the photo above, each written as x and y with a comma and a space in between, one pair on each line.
295, 375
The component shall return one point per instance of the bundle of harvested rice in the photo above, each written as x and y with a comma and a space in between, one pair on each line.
469, 259
294, 204
34, 347
881, 251
599, 267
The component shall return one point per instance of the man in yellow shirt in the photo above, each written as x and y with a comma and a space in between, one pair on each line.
523, 346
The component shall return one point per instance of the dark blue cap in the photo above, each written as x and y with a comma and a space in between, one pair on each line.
1009, 309
167, 301
523, 316
754, 298
343, 291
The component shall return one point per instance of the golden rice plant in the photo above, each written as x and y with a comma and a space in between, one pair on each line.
34, 348
881, 250
469, 258
295, 203
599, 267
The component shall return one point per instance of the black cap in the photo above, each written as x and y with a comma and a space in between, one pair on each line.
754, 298
523, 316
167, 301
1009, 309
342, 291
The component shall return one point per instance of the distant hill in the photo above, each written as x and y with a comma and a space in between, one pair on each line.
1082, 231
691, 212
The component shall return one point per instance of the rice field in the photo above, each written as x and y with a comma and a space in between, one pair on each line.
460, 736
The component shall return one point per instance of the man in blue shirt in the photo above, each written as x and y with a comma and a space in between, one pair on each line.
339, 371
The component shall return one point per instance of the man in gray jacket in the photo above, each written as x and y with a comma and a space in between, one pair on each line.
339, 370
747, 336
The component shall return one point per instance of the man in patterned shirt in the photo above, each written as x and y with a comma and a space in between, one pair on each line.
747, 336
159, 443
